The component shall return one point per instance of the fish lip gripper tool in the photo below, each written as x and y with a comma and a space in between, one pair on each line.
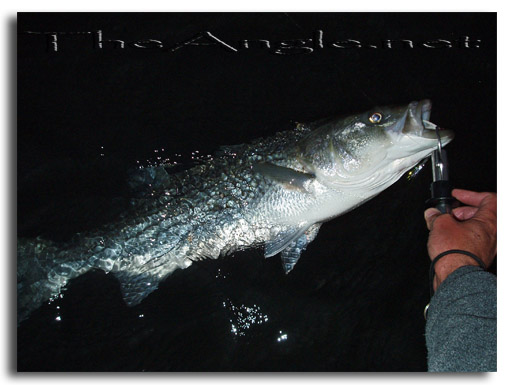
441, 188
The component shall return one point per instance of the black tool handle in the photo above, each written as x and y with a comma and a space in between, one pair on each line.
441, 197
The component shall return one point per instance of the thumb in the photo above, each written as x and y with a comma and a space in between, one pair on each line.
430, 216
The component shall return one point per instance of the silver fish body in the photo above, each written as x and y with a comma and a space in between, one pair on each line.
274, 192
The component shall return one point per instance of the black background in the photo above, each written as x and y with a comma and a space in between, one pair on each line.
355, 300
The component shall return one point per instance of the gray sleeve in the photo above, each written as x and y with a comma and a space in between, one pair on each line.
461, 323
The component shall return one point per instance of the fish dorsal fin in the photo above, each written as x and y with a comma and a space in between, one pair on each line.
287, 177
144, 181
291, 243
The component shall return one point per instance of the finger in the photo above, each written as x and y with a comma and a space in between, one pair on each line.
487, 209
467, 197
430, 216
464, 213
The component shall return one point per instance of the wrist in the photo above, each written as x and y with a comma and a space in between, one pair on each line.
451, 262
453, 259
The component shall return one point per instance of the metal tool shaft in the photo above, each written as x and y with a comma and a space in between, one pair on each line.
440, 188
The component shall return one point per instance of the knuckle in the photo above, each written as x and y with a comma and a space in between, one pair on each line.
490, 198
442, 222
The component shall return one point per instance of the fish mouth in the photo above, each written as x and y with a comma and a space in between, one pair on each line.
416, 122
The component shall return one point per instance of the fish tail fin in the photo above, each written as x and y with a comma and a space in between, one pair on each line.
40, 274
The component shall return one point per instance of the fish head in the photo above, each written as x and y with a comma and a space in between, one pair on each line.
371, 150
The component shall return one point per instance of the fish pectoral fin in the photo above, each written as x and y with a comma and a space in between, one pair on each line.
282, 240
292, 243
287, 177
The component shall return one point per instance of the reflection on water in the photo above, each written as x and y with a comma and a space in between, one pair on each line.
282, 337
243, 317
163, 158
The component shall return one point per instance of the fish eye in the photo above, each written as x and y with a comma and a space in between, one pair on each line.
375, 117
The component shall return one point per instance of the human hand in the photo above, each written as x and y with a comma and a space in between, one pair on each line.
471, 228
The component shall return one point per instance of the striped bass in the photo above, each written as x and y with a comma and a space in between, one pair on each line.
274, 192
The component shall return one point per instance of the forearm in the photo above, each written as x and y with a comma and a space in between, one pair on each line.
461, 322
